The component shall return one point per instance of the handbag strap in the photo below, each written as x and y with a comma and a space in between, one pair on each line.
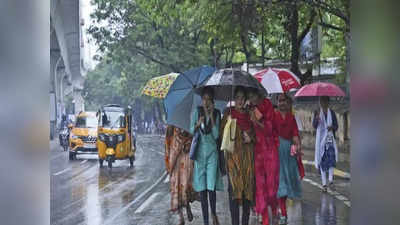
230, 130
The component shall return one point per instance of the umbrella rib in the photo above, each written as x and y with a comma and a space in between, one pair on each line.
187, 78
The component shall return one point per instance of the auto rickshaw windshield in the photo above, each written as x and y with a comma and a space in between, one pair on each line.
110, 119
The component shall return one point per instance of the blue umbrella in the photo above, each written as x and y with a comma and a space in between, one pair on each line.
181, 99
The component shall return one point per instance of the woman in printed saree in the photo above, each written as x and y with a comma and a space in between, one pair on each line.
289, 147
266, 155
326, 152
180, 168
206, 175
240, 163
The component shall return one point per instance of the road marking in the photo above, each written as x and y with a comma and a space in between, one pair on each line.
147, 202
336, 172
55, 157
61, 172
336, 194
84, 161
109, 221
166, 179
156, 152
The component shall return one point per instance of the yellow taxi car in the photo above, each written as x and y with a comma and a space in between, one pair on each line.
83, 135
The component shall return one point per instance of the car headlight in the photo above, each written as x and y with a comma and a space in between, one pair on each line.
121, 138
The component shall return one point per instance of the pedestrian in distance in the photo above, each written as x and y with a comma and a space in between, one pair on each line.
326, 152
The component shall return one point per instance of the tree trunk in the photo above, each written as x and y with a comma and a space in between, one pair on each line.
294, 42
246, 51
262, 48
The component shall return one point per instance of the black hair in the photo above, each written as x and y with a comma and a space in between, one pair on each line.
240, 89
254, 91
209, 91
287, 97
325, 98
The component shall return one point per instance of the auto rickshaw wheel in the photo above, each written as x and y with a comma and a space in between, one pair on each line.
131, 161
101, 163
72, 156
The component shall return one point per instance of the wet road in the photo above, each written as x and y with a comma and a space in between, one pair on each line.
82, 193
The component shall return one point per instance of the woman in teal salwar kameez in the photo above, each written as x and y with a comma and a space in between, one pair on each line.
206, 175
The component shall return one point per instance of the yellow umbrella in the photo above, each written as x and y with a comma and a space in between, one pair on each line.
158, 86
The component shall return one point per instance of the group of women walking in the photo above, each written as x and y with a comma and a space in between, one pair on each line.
262, 169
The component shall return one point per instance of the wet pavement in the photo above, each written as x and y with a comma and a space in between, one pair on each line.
82, 193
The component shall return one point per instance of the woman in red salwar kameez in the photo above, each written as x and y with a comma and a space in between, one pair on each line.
266, 155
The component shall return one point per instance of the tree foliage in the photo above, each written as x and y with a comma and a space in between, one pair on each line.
141, 39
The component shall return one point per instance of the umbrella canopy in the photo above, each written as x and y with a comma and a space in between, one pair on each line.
320, 89
278, 80
158, 86
223, 82
181, 99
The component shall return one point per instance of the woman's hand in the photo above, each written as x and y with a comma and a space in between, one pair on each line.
246, 137
252, 116
199, 122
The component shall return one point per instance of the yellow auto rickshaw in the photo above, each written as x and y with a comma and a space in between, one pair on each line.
115, 139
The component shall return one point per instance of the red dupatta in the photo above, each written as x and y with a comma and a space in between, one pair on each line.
242, 119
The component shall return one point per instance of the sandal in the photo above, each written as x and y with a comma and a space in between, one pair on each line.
283, 220
324, 188
181, 221
332, 186
215, 220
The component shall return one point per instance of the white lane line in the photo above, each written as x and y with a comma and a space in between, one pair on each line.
156, 152
147, 203
336, 194
55, 157
61, 172
166, 179
84, 161
109, 221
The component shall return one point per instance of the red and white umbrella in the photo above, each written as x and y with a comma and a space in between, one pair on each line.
320, 89
278, 80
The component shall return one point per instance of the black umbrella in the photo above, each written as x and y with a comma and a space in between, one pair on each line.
224, 81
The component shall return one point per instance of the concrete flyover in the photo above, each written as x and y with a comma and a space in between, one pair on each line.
66, 61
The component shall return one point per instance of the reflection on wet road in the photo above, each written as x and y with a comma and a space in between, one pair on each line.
82, 193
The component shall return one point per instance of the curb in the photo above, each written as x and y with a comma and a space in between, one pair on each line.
336, 172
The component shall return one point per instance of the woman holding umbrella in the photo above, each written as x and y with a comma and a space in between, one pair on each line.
326, 153
325, 121
179, 167
289, 147
266, 155
240, 163
206, 177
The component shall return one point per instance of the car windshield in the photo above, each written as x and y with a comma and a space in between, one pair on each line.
112, 119
86, 122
